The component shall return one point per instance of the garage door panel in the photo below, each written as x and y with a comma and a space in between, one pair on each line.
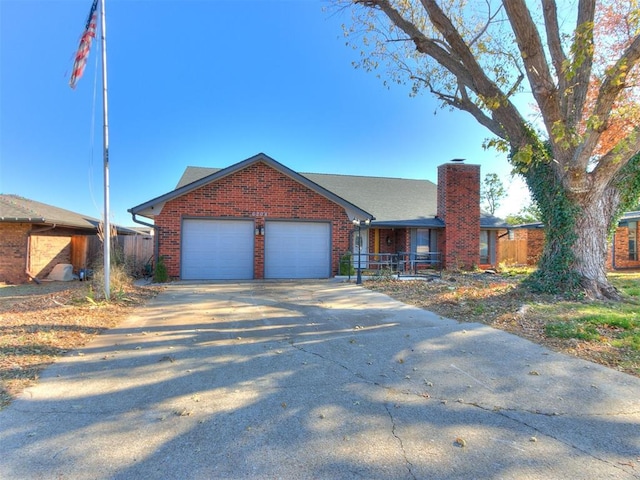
217, 249
297, 249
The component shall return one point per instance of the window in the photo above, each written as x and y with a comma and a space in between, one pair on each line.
484, 247
422, 240
633, 240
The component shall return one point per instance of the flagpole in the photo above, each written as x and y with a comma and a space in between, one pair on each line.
105, 137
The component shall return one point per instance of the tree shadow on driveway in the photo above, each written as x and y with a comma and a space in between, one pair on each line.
317, 380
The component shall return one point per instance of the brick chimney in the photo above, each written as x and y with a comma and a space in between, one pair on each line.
459, 209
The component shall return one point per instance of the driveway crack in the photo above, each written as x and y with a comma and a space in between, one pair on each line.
408, 464
341, 365
503, 412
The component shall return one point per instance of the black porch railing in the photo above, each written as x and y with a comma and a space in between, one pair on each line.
400, 264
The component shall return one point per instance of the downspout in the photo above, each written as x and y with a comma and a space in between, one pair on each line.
156, 237
505, 234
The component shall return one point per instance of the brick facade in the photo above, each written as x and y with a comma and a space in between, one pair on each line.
459, 208
48, 250
257, 192
535, 245
389, 240
13, 252
37, 249
620, 249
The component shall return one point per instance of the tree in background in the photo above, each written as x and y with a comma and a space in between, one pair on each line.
528, 214
577, 63
492, 192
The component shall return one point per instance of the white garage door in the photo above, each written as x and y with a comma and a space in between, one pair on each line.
217, 249
297, 250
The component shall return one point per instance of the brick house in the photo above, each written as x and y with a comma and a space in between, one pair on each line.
258, 219
622, 253
35, 237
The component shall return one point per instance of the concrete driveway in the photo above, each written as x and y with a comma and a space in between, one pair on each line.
317, 380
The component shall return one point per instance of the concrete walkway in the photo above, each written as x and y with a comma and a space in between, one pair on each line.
315, 380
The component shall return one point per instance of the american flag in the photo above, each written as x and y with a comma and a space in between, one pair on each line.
85, 44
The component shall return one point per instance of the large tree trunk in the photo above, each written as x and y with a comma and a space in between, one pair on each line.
576, 230
590, 248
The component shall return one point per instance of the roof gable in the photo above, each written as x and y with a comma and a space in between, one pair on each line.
196, 177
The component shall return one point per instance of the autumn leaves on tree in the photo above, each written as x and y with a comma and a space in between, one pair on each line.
557, 88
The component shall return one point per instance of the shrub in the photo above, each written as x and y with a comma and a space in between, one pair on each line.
119, 280
160, 274
346, 266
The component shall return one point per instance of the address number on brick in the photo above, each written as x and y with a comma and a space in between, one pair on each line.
259, 214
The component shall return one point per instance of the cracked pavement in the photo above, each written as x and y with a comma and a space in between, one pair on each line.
313, 380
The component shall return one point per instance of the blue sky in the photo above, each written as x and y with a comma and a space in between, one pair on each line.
205, 83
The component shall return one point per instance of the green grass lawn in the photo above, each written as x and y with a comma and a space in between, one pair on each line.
616, 324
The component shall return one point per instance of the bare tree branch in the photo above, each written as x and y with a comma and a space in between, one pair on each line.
490, 19
537, 69
465, 103
506, 114
558, 57
583, 50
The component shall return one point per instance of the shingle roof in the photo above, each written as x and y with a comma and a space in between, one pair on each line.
388, 199
196, 177
14, 208
394, 202
191, 174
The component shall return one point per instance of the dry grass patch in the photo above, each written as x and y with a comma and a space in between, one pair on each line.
39, 323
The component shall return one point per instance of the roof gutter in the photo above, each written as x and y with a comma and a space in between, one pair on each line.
23, 220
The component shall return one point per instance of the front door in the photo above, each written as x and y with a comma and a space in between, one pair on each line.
360, 248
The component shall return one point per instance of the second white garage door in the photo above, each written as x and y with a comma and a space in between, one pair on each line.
297, 250
217, 249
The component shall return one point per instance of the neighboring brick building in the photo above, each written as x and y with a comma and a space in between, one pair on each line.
259, 219
622, 253
35, 237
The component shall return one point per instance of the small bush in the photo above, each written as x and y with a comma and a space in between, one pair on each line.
160, 274
346, 266
383, 274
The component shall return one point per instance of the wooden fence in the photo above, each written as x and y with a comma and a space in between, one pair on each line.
136, 250
512, 252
